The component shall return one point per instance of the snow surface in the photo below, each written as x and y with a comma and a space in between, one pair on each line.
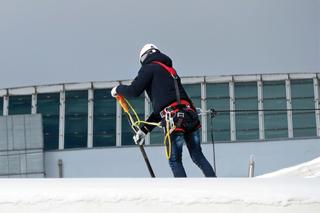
285, 194
309, 169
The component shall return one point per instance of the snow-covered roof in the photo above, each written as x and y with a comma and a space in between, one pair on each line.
137, 195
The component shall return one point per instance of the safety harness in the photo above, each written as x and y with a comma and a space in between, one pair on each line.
175, 111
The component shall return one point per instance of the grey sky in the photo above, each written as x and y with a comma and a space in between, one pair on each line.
55, 41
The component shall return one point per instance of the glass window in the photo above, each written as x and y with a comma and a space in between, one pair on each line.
104, 119
274, 98
218, 98
302, 96
127, 132
48, 105
194, 93
20, 104
1, 105
247, 122
76, 119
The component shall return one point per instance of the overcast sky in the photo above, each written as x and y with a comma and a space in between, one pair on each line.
57, 41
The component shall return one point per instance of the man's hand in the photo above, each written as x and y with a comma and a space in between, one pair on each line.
139, 137
114, 92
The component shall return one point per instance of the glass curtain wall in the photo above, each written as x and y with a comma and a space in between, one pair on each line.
247, 122
20, 104
48, 105
274, 98
218, 98
76, 119
302, 96
104, 119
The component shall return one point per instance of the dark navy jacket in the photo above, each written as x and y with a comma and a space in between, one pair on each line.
158, 84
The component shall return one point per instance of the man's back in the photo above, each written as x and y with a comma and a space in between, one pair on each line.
157, 82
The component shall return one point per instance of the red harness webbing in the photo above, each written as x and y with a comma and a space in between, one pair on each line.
171, 70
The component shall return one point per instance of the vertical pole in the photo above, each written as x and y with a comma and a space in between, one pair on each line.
261, 113
147, 112
118, 124
61, 119
316, 104
289, 108
60, 168
251, 166
90, 118
232, 113
204, 116
6, 104
34, 104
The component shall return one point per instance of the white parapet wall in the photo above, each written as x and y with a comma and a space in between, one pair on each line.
137, 195
286, 194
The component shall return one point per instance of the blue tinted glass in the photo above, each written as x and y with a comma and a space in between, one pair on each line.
274, 89
218, 99
275, 122
302, 88
104, 123
1, 105
246, 90
20, 104
157, 136
76, 119
246, 98
194, 93
302, 95
48, 105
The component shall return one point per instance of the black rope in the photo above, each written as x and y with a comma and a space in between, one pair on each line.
262, 110
213, 113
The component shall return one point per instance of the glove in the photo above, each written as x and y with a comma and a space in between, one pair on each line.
114, 91
139, 137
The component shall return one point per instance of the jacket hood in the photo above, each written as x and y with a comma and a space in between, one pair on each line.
158, 56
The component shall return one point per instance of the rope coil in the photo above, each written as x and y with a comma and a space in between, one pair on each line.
135, 123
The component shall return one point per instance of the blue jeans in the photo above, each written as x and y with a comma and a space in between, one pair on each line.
194, 146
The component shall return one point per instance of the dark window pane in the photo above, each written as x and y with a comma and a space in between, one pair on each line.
274, 89
1, 105
275, 125
76, 119
127, 132
157, 136
104, 123
275, 122
20, 104
276, 134
246, 98
302, 95
48, 105
194, 93
302, 88
218, 90
218, 98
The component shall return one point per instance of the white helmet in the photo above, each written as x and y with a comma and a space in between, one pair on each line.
146, 50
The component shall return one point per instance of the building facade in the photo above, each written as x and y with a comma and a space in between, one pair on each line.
250, 109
